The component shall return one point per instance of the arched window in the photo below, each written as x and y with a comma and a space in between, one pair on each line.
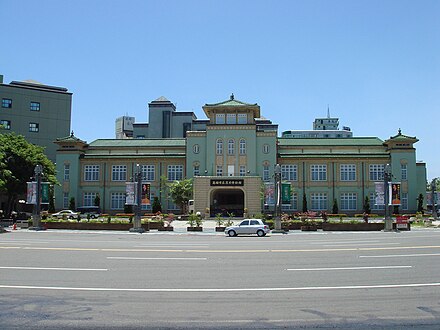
219, 147
196, 148
266, 148
231, 147
242, 147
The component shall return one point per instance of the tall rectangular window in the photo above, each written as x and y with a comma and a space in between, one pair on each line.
242, 145
289, 172
117, 201
242, 170
6, 103
5, 124
66, 172
175, 172
220, 118
348, 172
219, 147
65, 200
242, 118
376, 172
373, 205
231, 118
219, 170
318, 172
119, 172
35, 106
231, 146
148, 172
348, 201
266, 173
319, 201
89, 199
404, 201
293, 206
404, 172
91, 172
34, 127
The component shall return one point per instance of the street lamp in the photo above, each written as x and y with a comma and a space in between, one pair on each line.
36, 217
433, 200
137, 227
387, 178
277, 208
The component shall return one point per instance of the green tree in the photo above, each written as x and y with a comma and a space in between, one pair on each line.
420, 203
18, 159
181, 193
335, 209
51, 199
156, 207
367, 208
97, 200
72, 205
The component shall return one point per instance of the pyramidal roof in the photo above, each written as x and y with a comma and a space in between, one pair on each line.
162, 99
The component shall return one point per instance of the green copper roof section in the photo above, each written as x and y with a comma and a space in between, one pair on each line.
70, 138
331, 142
232, 102
137, 143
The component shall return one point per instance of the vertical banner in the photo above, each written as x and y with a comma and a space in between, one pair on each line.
130, 189
44, 192
285, 193
380, 193
145, 194
394, 189
269, 194
31, 194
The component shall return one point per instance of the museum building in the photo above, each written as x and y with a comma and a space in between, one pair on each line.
231, 157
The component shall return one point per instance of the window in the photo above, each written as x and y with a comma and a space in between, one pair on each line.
5, 124
65, 200
266, 148
373, 205
117, 201
242, 118
175, 172
293, 206
219, 170
34, 127
404, 200
404, 171
219, 147
289, 172
89, 199
319, 201
220, 118
91, 172
196, 170
348, 172
66, 172
231, 118
119, 173
148, 172
35, 106
196, 148
242, 145
266, 173
6, 103
348, 201
376, 172
319, 172
231, 147
242, 170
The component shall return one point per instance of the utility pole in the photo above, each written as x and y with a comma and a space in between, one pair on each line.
277, 208
137, 227
387, 178
36, 217
434, 200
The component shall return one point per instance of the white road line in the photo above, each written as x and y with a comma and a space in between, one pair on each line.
55, 268
348, 268
403, 255
307, 288
141, 258
344, 242
357, 244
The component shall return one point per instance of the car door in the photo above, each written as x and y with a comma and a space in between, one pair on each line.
243, 228
254, 225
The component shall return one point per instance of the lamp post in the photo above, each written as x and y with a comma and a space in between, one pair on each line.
277, 208
387, 178
36, 217
433, 199
137, 227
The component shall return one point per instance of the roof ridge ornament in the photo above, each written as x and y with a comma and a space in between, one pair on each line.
399, 132
232, 96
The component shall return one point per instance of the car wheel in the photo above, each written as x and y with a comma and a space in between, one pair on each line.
232, 233
260, 233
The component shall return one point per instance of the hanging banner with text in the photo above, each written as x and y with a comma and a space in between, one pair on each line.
286, 193
269, 194
380, 194
394, 189
130, 189
145, 194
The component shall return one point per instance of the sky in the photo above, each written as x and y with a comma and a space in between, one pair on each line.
374, 64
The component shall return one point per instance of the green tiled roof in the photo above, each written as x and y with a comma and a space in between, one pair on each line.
230, 103
137, 143
331, 142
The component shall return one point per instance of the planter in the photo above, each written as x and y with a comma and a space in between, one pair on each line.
220, 229
90, 226
169, 228
294, 226
309, 228
154, 225
194, 228
353, 226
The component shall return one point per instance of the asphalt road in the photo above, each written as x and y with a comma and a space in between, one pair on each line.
375, 280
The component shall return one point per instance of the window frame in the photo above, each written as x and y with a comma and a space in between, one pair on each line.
148, 172
91, 172
318, 172
6, 103
231, 147
174, 172
34, 127
347, 172
219, 147
289, 172
6, 124
375, 172
348, 201
34, 106
119, 172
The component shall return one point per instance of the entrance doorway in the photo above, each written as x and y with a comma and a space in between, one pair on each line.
226, 201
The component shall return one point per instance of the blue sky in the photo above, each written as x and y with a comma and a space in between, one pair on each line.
376, 64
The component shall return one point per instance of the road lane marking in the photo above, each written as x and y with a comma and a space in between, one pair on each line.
55, 268
403, 255
348, 268
201, 290
140, 258
354, 243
